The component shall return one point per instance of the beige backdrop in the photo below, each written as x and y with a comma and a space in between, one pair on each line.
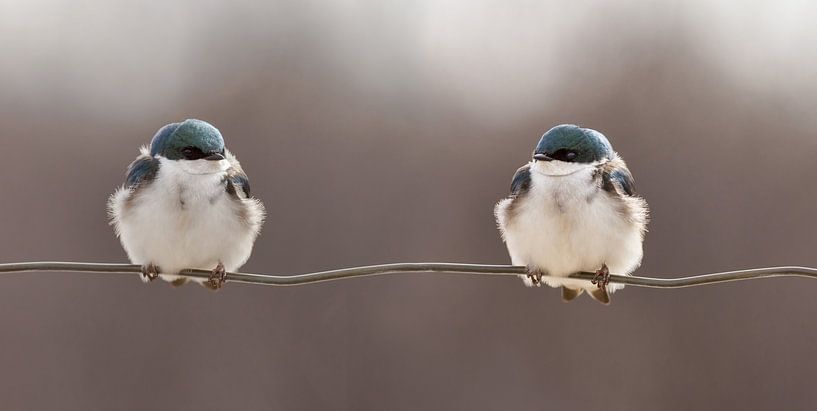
379, 132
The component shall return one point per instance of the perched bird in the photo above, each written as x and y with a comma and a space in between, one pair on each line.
186, 203
573, 208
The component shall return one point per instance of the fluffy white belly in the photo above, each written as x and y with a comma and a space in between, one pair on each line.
183, 221
565, 225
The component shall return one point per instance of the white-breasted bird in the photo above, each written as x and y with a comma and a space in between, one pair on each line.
573, 208
186, 203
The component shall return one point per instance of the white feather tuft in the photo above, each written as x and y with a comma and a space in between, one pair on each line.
566, 224
186, 219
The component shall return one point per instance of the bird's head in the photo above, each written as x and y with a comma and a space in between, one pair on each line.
567, 148
196, 145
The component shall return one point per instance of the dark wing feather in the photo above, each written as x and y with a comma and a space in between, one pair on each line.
521, 180
617, 175
143, 169
238, 184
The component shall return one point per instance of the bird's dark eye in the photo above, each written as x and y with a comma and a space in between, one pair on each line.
192, 153
564, 155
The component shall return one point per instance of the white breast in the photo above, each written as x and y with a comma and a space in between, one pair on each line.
566, 224
186, 219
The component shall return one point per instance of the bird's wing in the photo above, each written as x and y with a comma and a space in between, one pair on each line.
521, 180
237, 182
616, 178
141, 170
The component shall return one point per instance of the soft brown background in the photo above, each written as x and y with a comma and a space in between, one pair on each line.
384, 132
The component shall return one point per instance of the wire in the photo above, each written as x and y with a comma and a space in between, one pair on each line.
451, 268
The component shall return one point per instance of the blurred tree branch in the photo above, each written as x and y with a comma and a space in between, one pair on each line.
451, 268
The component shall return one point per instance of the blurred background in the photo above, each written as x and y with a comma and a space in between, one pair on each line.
380, 132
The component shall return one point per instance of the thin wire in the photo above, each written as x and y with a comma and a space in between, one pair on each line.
450, 268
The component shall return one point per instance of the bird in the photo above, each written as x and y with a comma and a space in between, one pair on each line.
573, 208
186, 204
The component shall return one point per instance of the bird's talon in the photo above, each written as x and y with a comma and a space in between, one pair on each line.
535, 278
150, 272
217, 277
602, 277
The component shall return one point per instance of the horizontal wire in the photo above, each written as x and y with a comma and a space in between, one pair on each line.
450, 268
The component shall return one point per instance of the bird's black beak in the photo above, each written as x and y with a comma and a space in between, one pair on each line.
215, 157
541, 157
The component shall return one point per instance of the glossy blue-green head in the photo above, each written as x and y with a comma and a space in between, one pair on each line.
188, 140
573, 144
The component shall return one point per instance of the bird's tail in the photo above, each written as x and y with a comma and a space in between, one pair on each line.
568, 294
601, 295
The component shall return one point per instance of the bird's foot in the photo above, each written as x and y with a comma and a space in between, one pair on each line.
150, 272
534, 278
602, 277
217, 277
